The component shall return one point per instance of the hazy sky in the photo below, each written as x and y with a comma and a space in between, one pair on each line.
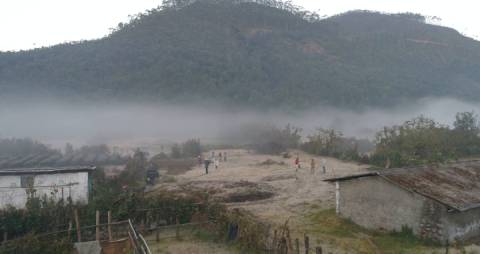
27, 24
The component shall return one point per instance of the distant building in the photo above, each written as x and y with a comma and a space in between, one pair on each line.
436, 202
16, 185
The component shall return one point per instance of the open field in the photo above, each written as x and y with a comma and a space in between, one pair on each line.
270, 188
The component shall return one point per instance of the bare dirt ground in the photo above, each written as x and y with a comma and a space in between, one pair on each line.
293, 192
270, 188
188, 246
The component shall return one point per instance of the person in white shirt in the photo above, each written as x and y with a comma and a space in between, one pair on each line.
324, 166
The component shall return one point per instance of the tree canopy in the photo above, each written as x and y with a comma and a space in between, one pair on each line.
261, 54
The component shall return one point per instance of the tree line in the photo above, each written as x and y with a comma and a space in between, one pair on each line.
420, 140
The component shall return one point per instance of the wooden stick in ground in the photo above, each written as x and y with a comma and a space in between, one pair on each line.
274, 243
307, 245
177, 230
147, 219
297, 246
97, 223
109, 227
282, 232
70, 226
77, 224
289, 241
283, 246
318, 250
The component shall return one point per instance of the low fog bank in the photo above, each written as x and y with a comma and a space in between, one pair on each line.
134, 126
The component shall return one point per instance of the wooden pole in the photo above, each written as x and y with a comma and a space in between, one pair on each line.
147, 219
318, 250
142, 225
109, 226
307, 245
283, 246
77, 225
274, 245
97, 227
297, 246
289, 241
177, 229
70, 226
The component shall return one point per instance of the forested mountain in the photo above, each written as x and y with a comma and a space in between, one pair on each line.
253, 54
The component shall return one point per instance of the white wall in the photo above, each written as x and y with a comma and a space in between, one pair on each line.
50, 185
10, 193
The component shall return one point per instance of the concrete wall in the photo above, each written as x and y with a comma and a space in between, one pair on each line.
374, 203
462, 226
50, 185
377, 204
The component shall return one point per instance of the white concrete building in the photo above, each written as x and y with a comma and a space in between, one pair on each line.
16, 185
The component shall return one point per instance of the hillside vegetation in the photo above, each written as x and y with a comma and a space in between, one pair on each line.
253, 54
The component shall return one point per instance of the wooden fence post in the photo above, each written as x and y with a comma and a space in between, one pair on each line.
284, 246
109, 226
274, 244
297, 246
70, 226
177, 228
289, 241
142, 225
318, 250
77, 225
147, 219
307, 245
97, 225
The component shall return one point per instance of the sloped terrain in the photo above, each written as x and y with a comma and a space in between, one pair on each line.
247, 54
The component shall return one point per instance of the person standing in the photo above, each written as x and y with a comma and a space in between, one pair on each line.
297, 164
206, 163
216, 162
225, 156
324, 166
312, 166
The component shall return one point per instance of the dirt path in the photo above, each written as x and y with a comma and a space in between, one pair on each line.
294, 192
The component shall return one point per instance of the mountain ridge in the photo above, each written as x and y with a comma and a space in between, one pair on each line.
253, 55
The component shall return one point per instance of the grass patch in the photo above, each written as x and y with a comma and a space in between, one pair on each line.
326, 222
342, 232
401, 242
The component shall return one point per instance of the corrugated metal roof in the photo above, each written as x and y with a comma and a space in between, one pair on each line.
456, 185
38, 171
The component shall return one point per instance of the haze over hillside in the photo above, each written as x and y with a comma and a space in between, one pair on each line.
252, 55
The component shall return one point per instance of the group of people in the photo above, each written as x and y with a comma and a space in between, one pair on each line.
313, 165
215, 159
222, 157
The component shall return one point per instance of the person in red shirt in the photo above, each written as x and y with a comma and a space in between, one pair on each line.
297, 163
